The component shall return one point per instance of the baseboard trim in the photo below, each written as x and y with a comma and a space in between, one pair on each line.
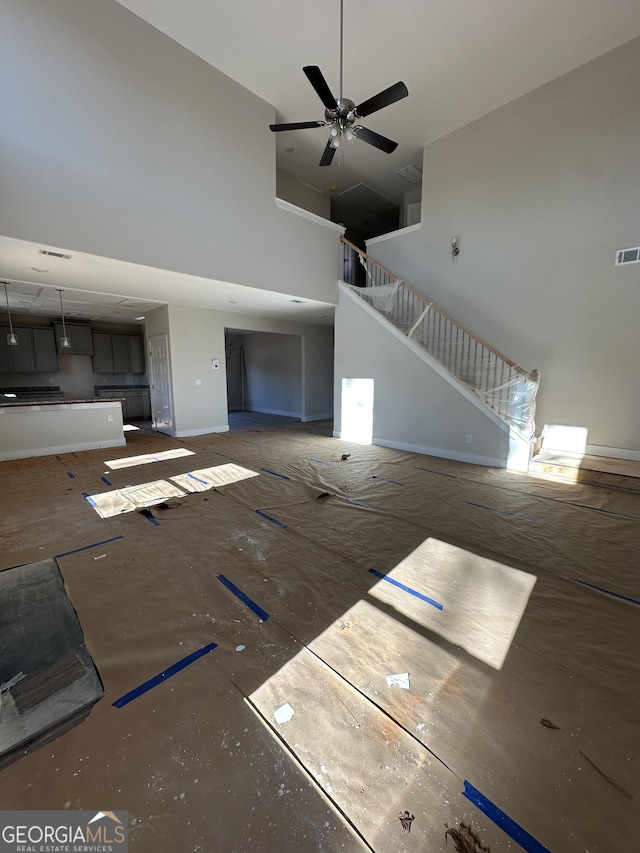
276, 412
190, 433
320, 417
613, 452
456, 456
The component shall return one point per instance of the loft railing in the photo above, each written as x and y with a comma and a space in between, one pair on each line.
506, 388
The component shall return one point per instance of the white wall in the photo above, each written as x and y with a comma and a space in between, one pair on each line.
414, 408
273, 365
117, 141
542, 192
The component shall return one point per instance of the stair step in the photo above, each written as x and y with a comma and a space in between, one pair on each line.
596, 470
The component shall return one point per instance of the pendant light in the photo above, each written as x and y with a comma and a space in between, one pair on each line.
12, 338
65, 343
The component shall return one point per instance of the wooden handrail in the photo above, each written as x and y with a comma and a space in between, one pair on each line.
421, 296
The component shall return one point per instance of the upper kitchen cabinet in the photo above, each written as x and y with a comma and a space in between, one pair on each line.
117, 353
36, 351
44, 346
79, 336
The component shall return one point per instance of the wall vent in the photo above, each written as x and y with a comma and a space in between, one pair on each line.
628, 256
54, 254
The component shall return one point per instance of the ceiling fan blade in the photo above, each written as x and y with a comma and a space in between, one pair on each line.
296, 125
375, 139
327, 155
321, 86
383, 99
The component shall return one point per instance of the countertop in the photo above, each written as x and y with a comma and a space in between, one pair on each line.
10, 401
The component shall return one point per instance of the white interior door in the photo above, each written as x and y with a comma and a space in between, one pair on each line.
161, 400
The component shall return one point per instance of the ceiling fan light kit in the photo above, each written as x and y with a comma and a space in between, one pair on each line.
341, 114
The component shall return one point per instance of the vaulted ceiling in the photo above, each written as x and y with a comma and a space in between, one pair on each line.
460, 59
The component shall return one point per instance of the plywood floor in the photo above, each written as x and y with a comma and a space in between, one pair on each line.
396, 636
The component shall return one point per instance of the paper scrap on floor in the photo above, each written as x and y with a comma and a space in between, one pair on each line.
147, 458
210, 478
134, 498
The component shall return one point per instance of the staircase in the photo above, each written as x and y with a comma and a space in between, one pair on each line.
504, 387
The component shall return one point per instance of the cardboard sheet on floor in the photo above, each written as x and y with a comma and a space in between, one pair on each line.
270, 491
486, 725
368, 765
196, 767
48, 682
134, 498
472, 602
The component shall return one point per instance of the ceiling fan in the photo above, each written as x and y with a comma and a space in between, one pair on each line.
341, 114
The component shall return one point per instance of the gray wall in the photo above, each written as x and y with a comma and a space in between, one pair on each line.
292, 190
274, 373
117, 141
196, 336
542, 192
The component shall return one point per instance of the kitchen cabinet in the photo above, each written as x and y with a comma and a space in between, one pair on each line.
36, 351
44, 346
102, 353
79, 336
136, 402
117, 353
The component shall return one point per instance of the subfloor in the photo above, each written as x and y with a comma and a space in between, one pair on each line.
392, 646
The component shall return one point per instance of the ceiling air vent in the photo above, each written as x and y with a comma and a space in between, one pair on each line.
628, 256
54, 254
412, 174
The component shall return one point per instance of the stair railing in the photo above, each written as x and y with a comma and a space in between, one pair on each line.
503, 386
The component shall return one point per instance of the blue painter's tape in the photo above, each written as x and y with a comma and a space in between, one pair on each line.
244, 598
321, 462
198, 480
70, 475
86, 547
275, 474
104, 480
167, 673
364, 506
432, 471
150, 518
89, 500
503, 512
513, 829
387, 480
606, 591
408, 589
270, 518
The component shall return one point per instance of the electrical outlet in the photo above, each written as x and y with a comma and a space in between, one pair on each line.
198, 381
110, 418
469, 439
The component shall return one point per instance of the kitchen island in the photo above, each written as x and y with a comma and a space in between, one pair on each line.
47, 427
